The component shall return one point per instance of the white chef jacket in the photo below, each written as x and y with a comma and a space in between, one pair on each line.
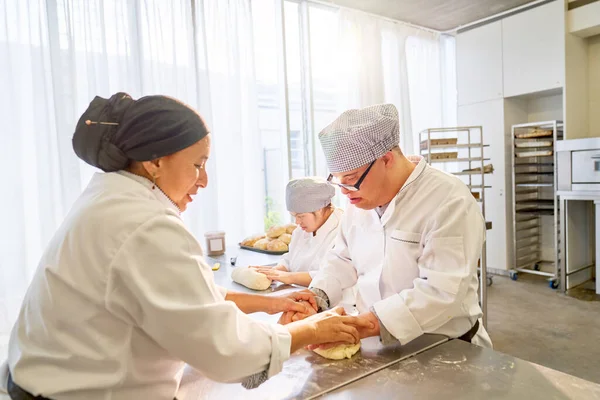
307, 251
417, 264
122, 299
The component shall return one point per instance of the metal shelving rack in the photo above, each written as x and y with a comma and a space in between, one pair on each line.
466, 149
534, 197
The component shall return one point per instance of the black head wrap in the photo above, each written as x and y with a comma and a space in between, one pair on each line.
112, 132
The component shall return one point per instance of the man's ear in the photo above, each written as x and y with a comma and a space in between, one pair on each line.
388, 158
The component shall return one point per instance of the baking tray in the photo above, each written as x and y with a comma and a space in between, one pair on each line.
534, 153
528, 143
439, 142
274, 253
534, 133
444, 156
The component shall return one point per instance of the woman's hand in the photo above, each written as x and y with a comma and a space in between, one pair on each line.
300, 301
327, 327
278, 276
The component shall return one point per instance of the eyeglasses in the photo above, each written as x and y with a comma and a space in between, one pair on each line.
356, 186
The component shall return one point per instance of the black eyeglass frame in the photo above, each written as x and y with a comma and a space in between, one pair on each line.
356, 186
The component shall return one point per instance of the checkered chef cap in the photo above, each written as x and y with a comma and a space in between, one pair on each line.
308, 194
359, 137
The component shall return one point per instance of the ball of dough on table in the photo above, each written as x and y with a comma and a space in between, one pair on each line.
290, 228
277, 245
276, 231
339, 352
285, 238
250, 278
250, 241
261, 244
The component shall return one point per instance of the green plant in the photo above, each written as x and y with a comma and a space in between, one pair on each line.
272, 217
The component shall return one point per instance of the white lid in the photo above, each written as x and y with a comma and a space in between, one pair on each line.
215, 234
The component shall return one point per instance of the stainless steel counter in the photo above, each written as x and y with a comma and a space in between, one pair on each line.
307, 375
459, 370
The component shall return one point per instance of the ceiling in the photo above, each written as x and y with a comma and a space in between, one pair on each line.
441, 15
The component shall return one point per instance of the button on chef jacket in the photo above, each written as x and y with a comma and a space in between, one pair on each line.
417, 264
307, 251
123, 298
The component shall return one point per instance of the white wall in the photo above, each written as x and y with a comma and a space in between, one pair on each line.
594, 85
545, 108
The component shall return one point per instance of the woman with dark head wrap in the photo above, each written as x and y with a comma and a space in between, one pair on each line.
122, 297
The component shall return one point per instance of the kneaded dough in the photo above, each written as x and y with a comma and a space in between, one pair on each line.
339, 352
286, 238
250, 278
275, 231
277, 245
261, 244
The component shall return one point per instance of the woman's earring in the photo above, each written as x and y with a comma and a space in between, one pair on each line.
153, 181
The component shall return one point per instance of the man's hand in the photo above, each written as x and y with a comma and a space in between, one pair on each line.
369, 326
368, 332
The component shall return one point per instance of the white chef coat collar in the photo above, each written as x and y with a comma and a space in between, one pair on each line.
157, 192
329, 225
421, 164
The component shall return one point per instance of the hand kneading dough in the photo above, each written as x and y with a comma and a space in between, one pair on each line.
276, 231
286, 238
339, 352
277, 245
261, 244
250, 278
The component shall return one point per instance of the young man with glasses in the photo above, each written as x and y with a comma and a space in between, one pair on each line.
410, 240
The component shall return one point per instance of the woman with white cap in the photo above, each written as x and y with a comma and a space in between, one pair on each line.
122, 297
309, 202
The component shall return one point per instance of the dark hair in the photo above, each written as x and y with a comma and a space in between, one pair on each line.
113, 132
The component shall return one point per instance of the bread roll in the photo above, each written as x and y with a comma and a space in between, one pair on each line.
277, 245
290, 228
249, 241
276, 231
285, 238
261, 244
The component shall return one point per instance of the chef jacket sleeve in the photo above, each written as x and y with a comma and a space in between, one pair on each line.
337, 271
452, 246
160, 283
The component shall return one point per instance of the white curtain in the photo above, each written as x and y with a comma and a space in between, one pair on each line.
382, 61
56, 55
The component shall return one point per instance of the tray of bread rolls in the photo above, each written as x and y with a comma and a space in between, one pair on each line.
275, 241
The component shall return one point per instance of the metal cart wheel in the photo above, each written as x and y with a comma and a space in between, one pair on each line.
513, 275
490, 281
553, 283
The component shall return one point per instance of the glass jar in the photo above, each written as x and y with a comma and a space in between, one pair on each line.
215, 243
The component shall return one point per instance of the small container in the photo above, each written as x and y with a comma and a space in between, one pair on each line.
215, 243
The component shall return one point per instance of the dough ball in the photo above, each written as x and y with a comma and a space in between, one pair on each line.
286, 238
277, 245
250, 278
250, 241
261, 244
290, 228
339, 352
276, 231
